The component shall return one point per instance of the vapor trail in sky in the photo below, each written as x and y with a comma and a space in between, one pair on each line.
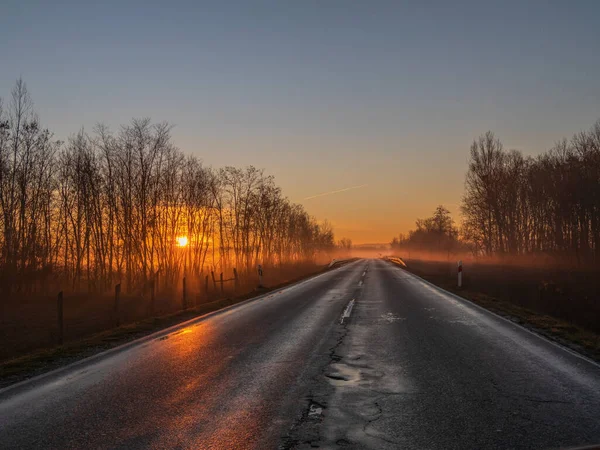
335, 192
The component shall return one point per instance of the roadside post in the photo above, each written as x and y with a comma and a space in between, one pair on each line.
260, 276
460, 274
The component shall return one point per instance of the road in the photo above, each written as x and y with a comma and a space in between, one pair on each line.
406, 366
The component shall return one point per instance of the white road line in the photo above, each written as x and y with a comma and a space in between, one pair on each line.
347, 311
364, 273
360, 283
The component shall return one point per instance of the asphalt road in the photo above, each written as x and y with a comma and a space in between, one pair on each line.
365, 356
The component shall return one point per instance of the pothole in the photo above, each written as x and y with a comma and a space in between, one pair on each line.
343, 375
336, 377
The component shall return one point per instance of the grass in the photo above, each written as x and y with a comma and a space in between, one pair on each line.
565, 333
45, 360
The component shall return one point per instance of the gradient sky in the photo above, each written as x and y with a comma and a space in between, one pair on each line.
324, 95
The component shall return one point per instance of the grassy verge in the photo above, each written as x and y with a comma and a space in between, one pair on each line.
45, 360
572, 336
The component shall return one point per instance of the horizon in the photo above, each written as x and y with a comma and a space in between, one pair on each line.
324, 98
265, 224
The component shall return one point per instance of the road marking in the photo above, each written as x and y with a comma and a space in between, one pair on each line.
347, 311
364, 273
315, 411
360, 283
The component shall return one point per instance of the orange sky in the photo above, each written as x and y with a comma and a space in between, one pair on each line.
406, 177
321, 97
401, 184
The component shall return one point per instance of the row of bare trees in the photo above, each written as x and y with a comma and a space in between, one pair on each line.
549, 204
122, 206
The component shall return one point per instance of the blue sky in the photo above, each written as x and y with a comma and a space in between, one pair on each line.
323, 95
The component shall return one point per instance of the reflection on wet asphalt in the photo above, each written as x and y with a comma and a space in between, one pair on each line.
365, 356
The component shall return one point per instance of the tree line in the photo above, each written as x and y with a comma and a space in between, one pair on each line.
105, 207
523, 205
547, 204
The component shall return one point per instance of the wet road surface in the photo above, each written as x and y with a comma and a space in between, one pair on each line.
365, 356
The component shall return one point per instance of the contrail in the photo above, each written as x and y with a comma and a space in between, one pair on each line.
335, 192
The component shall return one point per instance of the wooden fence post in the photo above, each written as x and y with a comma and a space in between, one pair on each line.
206, 286
212, 273
260, 276
117, 300
60, 317
222, 286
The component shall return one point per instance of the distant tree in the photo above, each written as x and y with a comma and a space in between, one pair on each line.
432, 234
344, 246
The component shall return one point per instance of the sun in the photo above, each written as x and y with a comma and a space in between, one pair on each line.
182, 241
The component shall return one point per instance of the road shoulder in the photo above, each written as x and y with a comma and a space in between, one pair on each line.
44, 361
573, 337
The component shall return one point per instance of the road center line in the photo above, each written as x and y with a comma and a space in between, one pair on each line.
360, 283
347, 311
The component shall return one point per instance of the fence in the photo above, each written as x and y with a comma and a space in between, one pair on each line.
568, 294
29, 322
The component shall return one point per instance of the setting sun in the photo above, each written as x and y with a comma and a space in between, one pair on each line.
344, 224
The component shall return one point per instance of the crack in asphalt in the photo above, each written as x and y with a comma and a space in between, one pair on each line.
289, 442
372, 421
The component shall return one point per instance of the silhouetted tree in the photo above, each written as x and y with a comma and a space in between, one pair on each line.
110, 206
549, 204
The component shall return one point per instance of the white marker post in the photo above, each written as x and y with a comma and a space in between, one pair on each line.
260, 276
460, 274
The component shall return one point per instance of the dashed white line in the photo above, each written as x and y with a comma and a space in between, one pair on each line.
347, 311
360, 283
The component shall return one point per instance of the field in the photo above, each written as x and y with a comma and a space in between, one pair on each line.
563, 303
30, 322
